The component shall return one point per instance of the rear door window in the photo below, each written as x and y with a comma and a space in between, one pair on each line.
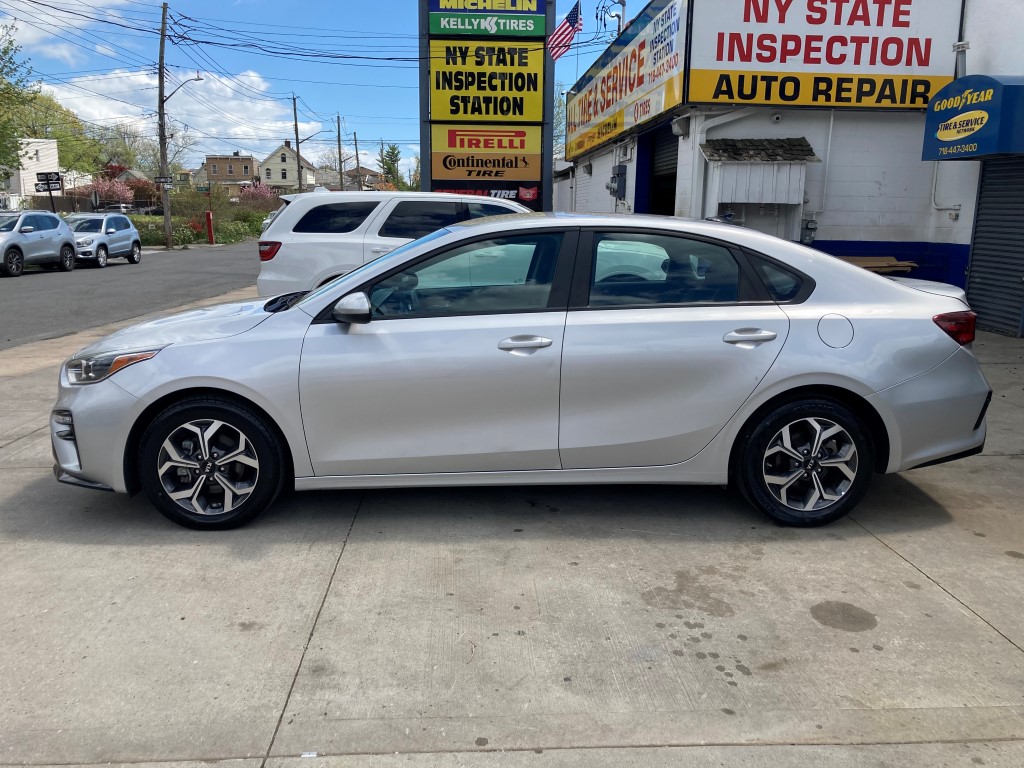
480, 210
412, 219
336, 218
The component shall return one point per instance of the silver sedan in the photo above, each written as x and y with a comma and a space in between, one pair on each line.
537, 349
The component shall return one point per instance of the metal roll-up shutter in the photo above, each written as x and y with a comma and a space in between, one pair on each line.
995, 285
666, 152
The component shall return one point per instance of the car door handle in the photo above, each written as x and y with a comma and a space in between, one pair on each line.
381, 250
748, 337
523, 345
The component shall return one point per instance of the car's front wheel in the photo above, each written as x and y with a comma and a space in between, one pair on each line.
67, 259
136, 254
101, 256
13, 264
208, 463
807, 462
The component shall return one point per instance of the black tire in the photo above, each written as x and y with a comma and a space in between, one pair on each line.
67, 258
135, 255
260, 486
101, 257
13, 264
781, 447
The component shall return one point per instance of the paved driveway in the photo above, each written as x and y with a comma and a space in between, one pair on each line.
566, 626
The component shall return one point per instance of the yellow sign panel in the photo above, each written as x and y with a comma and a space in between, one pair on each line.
485, 152
486, 81
962, 125
813, 89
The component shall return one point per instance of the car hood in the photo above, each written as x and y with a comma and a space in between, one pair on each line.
930, 286
215, 322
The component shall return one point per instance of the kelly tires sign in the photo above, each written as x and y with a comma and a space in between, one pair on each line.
876, 54
493, 19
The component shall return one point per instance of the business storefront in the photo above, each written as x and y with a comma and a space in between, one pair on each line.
802, 119
982, 118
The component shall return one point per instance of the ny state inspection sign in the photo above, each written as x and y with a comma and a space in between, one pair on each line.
486, 81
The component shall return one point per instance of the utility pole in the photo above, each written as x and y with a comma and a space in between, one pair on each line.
359, 172
298, 157
165, 197
341, 163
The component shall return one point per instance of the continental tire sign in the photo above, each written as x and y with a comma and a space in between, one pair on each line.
876, 54
467, 152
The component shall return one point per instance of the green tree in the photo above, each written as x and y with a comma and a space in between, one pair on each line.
15, 93
388, 160
44, 118
414, 184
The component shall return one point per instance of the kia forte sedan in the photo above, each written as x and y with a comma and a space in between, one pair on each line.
535, 349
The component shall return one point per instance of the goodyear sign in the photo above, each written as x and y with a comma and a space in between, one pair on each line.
822, 53
480, 80
638, 78
975, 116
488, 17
464, 152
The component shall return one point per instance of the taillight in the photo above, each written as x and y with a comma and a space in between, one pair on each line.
268, 250
958, 325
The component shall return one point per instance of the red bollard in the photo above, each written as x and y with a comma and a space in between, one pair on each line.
209, 227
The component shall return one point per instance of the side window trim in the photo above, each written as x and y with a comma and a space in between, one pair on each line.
558, 298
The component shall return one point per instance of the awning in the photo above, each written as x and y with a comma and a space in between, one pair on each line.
975, 116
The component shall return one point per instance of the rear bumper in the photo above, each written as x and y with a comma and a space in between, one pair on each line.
938, 416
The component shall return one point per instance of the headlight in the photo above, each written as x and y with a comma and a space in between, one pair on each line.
93, 368
85, 241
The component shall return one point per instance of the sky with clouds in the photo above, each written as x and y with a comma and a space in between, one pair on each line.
98, 58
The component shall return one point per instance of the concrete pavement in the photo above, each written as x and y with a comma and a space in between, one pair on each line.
623, 626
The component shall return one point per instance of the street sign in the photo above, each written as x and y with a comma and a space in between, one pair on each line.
168, 185
52, 186
48, 176
163, 179
202, 188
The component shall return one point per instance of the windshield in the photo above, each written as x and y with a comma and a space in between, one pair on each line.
7, 223
85, 225
387, 256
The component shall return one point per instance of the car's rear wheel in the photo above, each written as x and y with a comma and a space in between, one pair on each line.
136, 254
210, 464
13, 263
67, 259
807, 462
101, 256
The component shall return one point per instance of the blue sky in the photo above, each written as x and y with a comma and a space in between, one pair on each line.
98, 58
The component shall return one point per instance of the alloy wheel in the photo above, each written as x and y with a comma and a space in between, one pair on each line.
101, 257
208, 467
810, 464
67, 258
14, 263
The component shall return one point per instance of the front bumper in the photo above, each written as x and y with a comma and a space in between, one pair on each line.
91, 453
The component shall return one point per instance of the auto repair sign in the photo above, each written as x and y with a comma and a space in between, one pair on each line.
637, 79
877, 54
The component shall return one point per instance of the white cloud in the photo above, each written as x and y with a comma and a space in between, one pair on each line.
106, 50
49, 33
227, 114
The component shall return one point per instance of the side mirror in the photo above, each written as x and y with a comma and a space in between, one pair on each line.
354, 309
27, 230
111, 231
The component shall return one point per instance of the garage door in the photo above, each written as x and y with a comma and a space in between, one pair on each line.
995, 282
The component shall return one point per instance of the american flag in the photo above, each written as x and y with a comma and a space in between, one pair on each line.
561, 38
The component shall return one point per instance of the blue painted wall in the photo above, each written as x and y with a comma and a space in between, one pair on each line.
944, 262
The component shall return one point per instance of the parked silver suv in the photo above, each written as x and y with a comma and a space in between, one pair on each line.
34, 237
100, 236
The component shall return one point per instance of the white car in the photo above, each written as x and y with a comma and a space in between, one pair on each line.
543, 349
318, 236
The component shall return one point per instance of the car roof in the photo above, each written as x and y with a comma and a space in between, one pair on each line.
386, 195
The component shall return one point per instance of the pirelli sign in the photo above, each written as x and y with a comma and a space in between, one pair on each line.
487, 97
470, 152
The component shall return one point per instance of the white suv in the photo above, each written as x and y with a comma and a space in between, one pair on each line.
317, 236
